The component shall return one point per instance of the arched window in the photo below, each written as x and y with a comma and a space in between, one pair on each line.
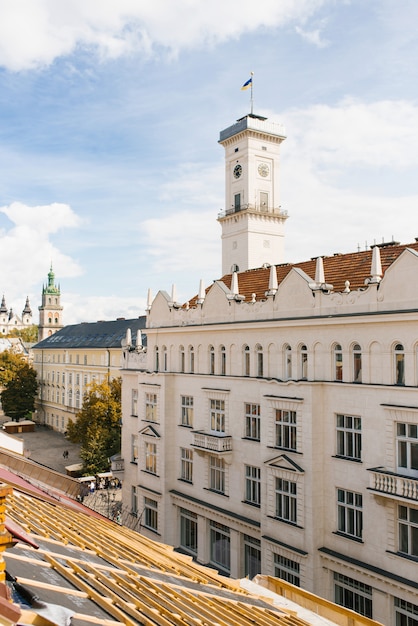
223, 360
211, 360
303, 362
399, 364
191, 359
260, 360
156, 359
287, 362
182, 359
338, 362
357, 366
165, 361
247, 360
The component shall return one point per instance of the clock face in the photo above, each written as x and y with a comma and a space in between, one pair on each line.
237, 171
263, 170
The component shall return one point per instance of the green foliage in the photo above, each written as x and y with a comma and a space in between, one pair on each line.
18, 379
29, 334
97, 425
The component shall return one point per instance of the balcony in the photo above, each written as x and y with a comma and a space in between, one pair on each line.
212, 443
393, 485
253, 208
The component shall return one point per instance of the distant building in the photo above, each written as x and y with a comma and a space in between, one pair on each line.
68, 360
10, 321
271, 425
50, 311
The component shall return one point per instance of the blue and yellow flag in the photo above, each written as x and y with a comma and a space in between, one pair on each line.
247, 84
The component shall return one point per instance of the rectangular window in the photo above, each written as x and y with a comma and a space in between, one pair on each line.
286, 500
406, 613
287, 569
77, 379
188, 531
349, 437
217, 416
252, 556
350, 513
187, 410
134, 402
220, 546
134, 501
252, 484
286, 429
353, 595
186, 470
151, 457
217, 474
150, 514
408, 530
252, 421
151, 407
134, 448
407, 448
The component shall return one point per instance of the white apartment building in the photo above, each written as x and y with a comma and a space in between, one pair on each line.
271, 424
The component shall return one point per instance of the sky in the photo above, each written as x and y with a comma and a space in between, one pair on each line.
110, 114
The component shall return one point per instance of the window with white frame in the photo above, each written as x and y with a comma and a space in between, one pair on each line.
353, 595
151, 407
407, 448
285, 429
399, 355
357, 365
182, 359
286, 500
217, 415
408, 530
406, 613
338, 362
260, 360
252, 421
151, 457
247, 361
211, 360
220, 546
252, 485
150, 516
77, 379
287, 362
303, 356
222, 352
252, 556
134, 448
287, 569
191, 359
187, 410
349, 437
216, 474
77, 399
350, 513
134, 402
188, 531
186, 464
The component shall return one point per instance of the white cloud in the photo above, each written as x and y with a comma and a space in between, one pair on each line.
26, 248
313, 36
79, 308
33, 33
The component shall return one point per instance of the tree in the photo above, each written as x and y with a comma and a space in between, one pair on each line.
29, 334
18, 379
97, 425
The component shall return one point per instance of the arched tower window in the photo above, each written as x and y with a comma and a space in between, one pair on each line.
357, 364
399, 364
303, 355
247, 361
191, 359
287, 355
338, 362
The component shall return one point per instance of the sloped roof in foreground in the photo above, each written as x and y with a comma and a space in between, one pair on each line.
95, 571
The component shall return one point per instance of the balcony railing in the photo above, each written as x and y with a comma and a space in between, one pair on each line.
213, 443
393, 485
253, 208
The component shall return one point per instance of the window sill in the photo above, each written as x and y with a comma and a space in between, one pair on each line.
134, 462
185, 425
253, 504
350, 537
404, 555
150, 473
347, 458
184, 480
218, 493
250, 439
152, 530
284, 521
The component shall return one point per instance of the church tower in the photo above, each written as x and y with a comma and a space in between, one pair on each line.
50, 311
252, 221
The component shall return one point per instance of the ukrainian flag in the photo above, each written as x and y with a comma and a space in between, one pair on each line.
247, 84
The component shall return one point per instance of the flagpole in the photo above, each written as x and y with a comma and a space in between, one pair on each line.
252, 99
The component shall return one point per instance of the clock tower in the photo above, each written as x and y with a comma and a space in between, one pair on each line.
50, 311
252, 221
